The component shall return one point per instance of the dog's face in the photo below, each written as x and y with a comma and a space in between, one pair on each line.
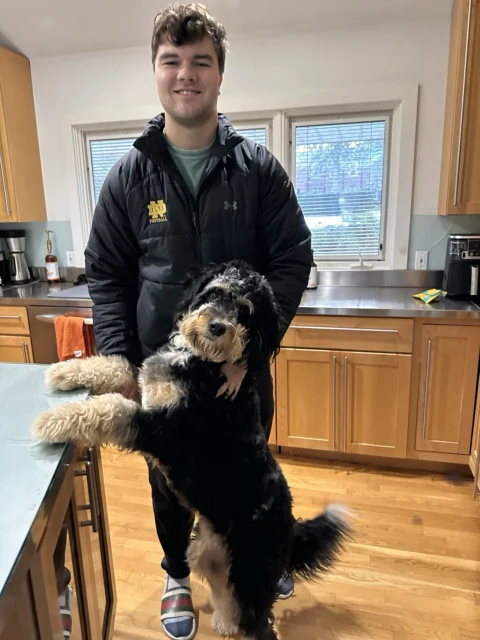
229, 312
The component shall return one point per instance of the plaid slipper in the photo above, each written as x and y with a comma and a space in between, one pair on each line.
65, 602
177, 613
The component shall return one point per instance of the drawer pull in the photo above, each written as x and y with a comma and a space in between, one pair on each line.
25, 352
4, 183
334, 401
10, 317
427, 383
304, 326
462, 106
345, 409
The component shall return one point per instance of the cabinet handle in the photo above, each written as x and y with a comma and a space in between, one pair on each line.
425, 400
10, 317
345, 408
4, 182
304, 326
462, 108
92, 493
334, 401
25, 352
477, 468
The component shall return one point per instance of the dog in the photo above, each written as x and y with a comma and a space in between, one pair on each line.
212, 449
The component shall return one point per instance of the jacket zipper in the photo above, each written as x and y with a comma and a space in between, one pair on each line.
196, 220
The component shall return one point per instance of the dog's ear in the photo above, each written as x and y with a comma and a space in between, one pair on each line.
265, 324
196, 280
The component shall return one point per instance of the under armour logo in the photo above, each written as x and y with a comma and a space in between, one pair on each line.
228, 205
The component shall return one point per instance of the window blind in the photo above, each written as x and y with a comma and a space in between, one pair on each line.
104, 154
339, 177
257, 134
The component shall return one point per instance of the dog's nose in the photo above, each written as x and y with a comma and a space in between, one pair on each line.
217, 328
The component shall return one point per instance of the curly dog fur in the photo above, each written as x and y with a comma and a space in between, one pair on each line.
213, 450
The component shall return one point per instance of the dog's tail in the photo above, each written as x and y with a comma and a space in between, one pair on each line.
318, 542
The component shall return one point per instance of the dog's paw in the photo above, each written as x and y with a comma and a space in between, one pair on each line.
223, 627
100, 374
65, 376
59, 424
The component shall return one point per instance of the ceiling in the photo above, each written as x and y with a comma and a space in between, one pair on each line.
54, 27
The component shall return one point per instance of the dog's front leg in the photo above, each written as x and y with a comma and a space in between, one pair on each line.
105, 419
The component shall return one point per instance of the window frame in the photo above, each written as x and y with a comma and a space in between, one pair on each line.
337, 118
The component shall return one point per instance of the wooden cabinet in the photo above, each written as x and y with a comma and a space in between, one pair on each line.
22, 196
474, 460
273, 433
307, 382
376, 392
15, 343
354, 402
459, 184
447, 388
71, 531
15, 349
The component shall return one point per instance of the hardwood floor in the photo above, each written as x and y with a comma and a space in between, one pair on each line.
412, 571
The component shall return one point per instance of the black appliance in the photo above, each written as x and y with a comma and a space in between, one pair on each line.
462, 264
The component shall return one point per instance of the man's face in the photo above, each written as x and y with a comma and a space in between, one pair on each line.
188, 81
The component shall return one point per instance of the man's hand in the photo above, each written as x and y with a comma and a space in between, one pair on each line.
235, 373
130, 391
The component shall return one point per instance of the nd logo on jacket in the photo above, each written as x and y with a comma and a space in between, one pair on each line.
157, 211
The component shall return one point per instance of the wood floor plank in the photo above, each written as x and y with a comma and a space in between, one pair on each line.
412, 571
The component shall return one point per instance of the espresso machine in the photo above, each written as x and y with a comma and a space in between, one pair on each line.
19, 273
462, 264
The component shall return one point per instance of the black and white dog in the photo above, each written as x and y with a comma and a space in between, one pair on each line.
212, 449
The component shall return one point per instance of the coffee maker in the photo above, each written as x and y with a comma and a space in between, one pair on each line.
462, 263
19, 271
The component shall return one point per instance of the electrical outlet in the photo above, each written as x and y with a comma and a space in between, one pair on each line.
421, 259
70, 258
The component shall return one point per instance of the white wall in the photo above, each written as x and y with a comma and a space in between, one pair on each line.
121, 82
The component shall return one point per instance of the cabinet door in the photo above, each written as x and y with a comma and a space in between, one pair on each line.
474, 460
19, 141
448, 382
273, 433
307, 382
459, 185
376, 392
8, 211
94, 546
15, 349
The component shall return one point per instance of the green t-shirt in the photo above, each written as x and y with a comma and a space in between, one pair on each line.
191, 164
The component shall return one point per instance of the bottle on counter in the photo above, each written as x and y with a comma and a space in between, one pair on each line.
51, 262
313, 277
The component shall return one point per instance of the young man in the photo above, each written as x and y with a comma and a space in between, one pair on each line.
191, 191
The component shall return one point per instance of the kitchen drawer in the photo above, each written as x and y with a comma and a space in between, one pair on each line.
14, 321
390, 335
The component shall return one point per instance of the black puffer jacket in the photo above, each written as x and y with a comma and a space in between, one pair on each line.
148, 232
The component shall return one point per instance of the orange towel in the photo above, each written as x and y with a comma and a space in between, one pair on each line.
73, 338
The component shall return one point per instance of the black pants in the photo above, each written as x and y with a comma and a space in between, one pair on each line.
173, 521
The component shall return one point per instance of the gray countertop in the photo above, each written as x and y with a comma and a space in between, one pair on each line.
38, 293
27, 468
382, 301
325, 300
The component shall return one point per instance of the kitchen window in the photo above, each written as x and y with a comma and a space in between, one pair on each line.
340, 171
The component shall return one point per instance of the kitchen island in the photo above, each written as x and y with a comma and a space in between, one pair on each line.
45, 490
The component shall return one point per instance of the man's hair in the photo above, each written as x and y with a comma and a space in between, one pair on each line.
187, 23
